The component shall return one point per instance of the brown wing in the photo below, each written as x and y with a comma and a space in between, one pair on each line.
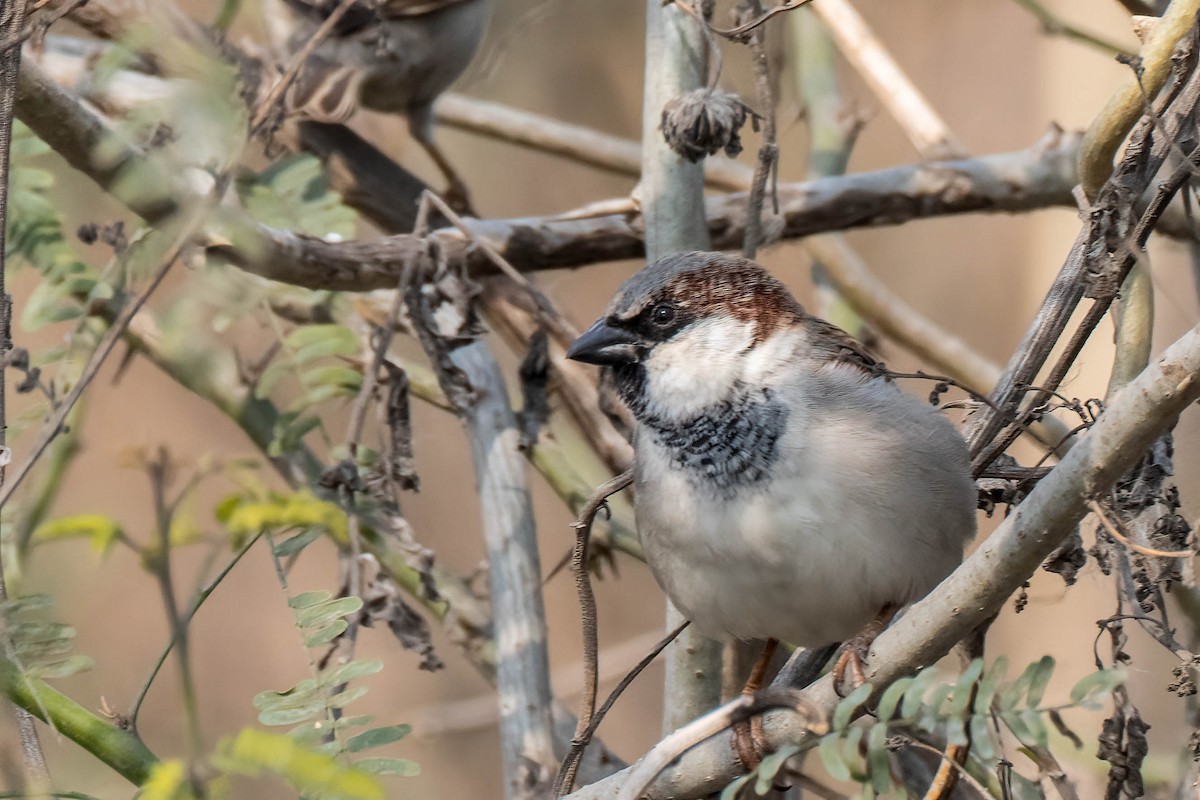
830, 340
364, 13
413, 8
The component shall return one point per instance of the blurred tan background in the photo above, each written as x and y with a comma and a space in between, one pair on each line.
997, 81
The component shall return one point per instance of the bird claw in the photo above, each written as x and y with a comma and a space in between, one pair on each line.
853, 657
850, 660
749, 743
458, 198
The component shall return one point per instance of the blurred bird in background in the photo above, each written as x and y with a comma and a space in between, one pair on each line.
395, 56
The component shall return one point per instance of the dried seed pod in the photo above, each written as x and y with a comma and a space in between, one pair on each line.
704, 121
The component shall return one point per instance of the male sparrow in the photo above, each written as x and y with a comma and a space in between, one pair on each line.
395, 56
786, 488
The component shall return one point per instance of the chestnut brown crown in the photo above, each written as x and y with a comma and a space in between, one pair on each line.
674, 292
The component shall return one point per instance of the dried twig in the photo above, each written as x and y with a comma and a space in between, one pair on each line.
739, 32
565, 780
1090, 256
1055, 25
1128, 103
741, 708
768, 151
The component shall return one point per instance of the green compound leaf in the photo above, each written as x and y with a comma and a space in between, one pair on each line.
377, 737
400, 767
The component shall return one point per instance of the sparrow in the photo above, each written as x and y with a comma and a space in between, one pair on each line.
786, 489
395, 56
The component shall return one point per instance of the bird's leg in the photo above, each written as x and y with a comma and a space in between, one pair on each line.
456, 194
854, 652
747, 734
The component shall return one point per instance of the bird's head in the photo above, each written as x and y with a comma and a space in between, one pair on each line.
688, 330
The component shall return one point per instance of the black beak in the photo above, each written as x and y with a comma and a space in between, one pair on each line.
606, 345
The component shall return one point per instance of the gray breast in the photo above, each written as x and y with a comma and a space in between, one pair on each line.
729, 445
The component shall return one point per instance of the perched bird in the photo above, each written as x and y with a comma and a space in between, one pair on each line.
396, 56
786, 488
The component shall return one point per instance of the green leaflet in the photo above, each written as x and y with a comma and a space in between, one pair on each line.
294, 194
39, 648
859, 753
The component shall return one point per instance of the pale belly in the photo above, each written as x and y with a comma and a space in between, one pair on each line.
805, 564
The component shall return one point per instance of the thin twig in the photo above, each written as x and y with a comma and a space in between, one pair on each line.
201, 596
738, 32
12, 18
929, 134
159, 470
743, 707
565, 780
1055, 25
768, 151
53, 424
1128, 102
946, 759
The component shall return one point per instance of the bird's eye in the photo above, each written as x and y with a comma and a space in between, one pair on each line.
663, 314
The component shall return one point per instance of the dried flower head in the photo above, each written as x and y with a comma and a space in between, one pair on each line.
703, 121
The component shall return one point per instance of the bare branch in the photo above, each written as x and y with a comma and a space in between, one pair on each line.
1054, 25
575, 142
1035, 178
926, 130
673, 211
522, 673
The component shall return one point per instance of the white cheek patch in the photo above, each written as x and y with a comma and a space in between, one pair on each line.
696, 368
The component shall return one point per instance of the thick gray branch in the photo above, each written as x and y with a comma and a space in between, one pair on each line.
1040, 176
1138, 415
672, 192
1037, 177
514, 578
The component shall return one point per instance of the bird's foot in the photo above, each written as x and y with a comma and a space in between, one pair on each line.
849, 671
458, 198
749, 744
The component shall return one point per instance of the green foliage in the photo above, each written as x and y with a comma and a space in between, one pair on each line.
315, 355
168, 781
36, 237
317, 775
101, 532
314, 707
859, 753
294, 194
38, 648
246, 513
